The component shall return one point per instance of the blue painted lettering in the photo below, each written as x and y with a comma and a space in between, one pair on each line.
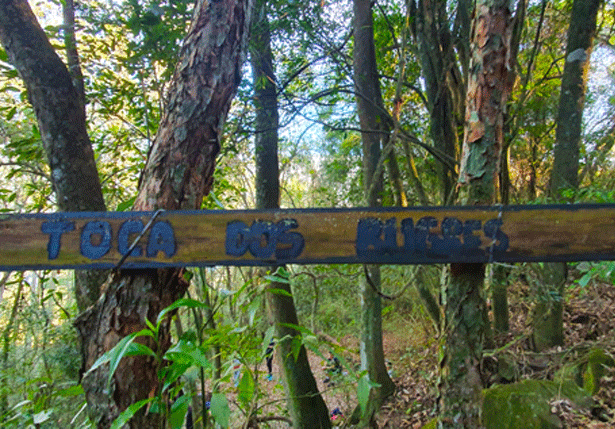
91, 230
55, 231
161, 239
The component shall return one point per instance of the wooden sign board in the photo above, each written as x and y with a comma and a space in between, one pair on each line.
308, 236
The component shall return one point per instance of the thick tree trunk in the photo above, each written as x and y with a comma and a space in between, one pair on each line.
489, 87
461, 384
60, 115
306, 406
178, 174
371, 113
547, 322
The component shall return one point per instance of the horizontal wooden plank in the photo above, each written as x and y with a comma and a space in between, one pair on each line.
420, 235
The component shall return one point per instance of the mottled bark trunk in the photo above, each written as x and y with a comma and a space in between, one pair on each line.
306, 406
370, 108
489, 87
499, 286
547, 321
572, 97
464, 331
178, 174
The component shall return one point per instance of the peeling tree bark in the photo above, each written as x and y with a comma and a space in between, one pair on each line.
489, 87
178, 174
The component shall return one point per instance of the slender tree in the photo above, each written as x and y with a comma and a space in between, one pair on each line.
306, 406
372, 118
547, 317
488, 90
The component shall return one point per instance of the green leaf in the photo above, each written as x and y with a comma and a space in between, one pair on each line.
280, 276
138, 349
126, 205
296, 346
171, 373
129, 412
302, 329
11, 113
583, 281
280, 292
178, 411
183, 302
150, 325
121, 349
253, 309
186, 352
245, 389
363, 388
70, 391
188, 275
220, 410
217, 201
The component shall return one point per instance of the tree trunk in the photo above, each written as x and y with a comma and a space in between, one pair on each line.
489, 87
547, 314
60, 113
395, 180
499, 294
372, 115
11, 326
548, 310
70, 44
461, 385
178, 174
572, 96
443, 84
306, 406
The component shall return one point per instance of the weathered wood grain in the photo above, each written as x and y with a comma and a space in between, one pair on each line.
309, 236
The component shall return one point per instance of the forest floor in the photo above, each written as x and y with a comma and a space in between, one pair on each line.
589, 321
412, 349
